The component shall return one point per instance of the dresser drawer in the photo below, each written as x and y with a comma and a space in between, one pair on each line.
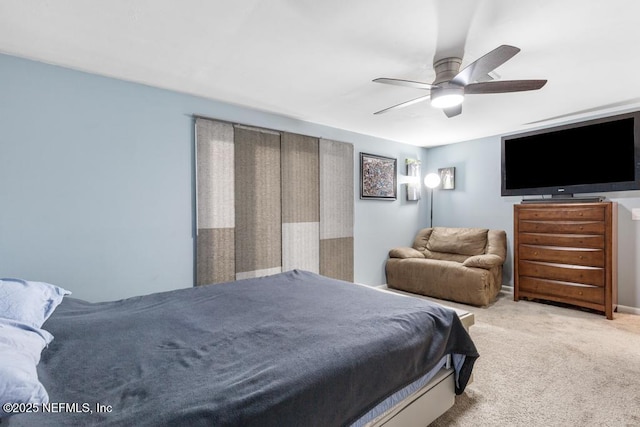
561, 291
562, 255
575, 213
560, 227
570, 240
563, 272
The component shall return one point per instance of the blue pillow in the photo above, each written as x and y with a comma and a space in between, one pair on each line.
20, 348
29, 302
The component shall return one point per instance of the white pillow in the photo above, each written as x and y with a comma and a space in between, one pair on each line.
20, 348
29, 302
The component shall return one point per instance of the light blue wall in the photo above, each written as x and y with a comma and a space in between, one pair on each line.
382, 225
96, 186
96, 183
476, 202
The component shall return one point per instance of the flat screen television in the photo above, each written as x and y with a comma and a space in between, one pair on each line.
600, 155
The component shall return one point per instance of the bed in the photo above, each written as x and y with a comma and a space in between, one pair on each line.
295, 348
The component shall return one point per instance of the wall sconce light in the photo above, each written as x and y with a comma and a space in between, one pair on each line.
413, 179
432, 180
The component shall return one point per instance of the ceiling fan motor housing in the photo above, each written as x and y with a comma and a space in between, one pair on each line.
444, 93
446, 69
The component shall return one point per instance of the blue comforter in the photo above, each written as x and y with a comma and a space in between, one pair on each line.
293, 349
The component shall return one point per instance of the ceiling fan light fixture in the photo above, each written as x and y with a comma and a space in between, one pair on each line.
447, 97
446, 101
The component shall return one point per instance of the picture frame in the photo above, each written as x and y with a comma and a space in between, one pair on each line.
378, 177
447, 178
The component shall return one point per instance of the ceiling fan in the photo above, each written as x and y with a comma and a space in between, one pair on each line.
451, 85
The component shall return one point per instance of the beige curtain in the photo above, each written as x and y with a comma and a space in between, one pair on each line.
270, 201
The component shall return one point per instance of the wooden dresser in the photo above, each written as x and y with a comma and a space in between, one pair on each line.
566, 252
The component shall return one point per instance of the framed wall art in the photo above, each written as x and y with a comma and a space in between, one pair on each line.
447, 178
378, 177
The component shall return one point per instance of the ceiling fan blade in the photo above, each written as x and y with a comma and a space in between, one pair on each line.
404, 104
502, 86
407, 83
484, 65
453, 111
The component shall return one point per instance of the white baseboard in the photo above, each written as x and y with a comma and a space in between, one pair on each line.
507, 289
628, 310
621, 308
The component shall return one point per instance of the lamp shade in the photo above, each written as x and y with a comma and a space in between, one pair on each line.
432, 180
445, 97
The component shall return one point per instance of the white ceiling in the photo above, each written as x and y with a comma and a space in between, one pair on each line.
314, 60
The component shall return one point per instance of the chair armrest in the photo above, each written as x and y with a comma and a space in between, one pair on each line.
405, 253
487, 261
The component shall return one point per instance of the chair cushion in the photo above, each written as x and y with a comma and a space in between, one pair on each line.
463, 241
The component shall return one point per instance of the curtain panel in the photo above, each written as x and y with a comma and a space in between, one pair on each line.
270, 201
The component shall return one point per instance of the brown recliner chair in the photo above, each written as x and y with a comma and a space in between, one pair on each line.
456, 264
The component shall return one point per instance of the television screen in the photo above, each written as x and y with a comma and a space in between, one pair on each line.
598, 155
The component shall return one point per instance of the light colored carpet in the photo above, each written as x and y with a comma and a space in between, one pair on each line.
543, 365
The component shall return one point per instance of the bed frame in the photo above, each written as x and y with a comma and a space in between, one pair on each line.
424, 406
